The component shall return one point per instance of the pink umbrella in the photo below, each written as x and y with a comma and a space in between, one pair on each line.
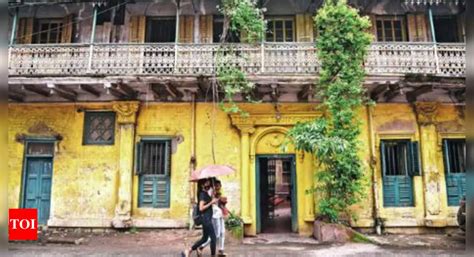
210, 171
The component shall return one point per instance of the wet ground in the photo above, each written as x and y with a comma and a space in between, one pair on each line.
171, 242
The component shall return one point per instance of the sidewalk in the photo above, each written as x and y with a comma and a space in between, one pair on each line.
171, 242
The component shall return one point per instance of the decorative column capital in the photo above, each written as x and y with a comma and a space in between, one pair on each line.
426, 112
246, 129
126, 111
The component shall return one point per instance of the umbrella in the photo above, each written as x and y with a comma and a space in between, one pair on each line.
210, 171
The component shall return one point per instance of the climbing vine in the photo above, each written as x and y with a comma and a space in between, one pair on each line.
333, 138
240, 16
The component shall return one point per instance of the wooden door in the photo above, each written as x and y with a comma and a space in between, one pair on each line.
37, 191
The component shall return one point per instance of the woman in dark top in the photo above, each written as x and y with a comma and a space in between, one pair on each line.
205, 207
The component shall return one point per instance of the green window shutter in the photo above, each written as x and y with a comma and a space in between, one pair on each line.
147, 188
455, 182
414, 169
162, 192
390, 192
138, 158
405, 191
383, 158
446, 157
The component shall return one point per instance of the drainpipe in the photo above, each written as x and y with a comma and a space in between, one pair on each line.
14, 24
433, 36
376, 212
176, 37
192, 161
91, 47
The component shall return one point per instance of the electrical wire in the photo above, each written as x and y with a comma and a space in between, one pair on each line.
73, 22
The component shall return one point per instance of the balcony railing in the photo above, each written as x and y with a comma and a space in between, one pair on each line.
200, 59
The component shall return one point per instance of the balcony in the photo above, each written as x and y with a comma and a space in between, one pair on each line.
384, 59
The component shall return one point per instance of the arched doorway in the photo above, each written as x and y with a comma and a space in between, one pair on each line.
262, 136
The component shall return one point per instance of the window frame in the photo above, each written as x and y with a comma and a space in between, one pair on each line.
455, 19
86, 128
272, 19
156, 178
149, 30
453, 179
37, 31
404, 179
391, 18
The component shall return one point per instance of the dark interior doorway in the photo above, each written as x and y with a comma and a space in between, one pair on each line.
276, 194
446, 29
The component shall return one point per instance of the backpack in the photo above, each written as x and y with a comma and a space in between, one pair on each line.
197, 218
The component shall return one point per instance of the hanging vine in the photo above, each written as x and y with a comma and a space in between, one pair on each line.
333, 139
240, 16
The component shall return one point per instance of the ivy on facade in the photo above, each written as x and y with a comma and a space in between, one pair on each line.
244, 17
333, 138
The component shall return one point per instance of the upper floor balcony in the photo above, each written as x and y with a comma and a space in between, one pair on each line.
295, 58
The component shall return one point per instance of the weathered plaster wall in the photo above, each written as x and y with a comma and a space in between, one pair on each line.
84, 176
85, 181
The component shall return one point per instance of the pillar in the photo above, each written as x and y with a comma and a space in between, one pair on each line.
126, 119
426, 113
245, 132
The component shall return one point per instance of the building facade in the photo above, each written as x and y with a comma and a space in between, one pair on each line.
111, 109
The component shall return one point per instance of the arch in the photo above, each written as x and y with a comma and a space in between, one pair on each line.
261, 134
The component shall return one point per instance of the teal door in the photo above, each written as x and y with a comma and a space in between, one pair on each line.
37, 186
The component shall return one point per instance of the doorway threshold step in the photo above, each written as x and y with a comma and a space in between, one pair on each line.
280, 238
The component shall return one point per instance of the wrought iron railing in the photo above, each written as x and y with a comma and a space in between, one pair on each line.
201, 59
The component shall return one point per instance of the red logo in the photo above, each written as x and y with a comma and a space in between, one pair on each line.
22, 224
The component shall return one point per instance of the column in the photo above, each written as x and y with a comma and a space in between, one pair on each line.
426, 113
245, 131
126, 119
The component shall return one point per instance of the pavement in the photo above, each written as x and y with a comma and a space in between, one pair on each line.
172, 242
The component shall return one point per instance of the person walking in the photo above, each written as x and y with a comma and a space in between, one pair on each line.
218, 214
205, 202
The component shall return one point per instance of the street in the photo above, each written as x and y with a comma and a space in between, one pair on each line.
171, 242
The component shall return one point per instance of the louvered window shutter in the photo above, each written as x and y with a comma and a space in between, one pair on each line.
24, 34
405, 191
446, 157
66, 33
147, 191
137, 29
383, 158
205, 28
414, 169
186, 29
304, 27
417, 28
138, 158
373, 28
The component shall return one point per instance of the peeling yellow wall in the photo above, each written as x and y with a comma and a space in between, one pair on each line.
85, 177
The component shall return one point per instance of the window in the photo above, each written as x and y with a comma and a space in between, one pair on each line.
390, 28
48, 31
162, 29
400, 162
454, 153
99, 128
153, 166
218, 27
446, 28
280, 30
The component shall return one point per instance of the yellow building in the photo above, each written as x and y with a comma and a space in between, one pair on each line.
106, 134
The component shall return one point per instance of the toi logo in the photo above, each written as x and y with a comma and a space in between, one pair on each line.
22, 224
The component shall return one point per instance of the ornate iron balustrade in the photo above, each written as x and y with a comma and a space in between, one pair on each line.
201, 59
